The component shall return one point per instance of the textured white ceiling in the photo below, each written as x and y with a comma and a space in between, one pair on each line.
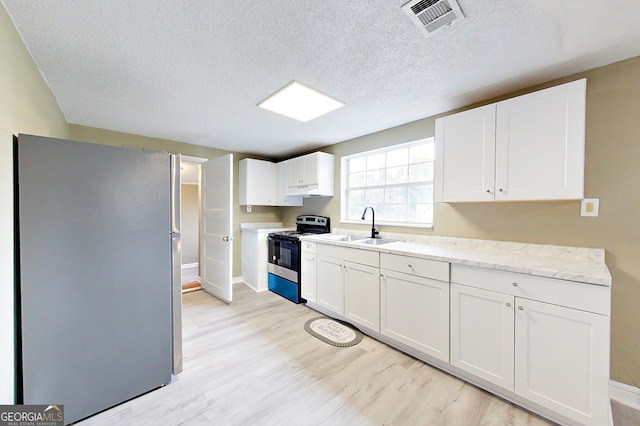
194, 70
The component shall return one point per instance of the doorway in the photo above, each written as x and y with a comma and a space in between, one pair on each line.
215, 225
190, 226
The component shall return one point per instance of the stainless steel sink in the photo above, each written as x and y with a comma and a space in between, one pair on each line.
341, 238
350, 238
375, 241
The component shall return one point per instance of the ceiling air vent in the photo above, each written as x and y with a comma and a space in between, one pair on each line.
431, 15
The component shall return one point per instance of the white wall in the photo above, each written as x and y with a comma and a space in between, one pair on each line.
6, 269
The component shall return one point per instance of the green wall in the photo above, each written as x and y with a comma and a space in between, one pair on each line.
611, 174
26, 102
26, 106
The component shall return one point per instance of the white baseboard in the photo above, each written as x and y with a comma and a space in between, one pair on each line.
189, 273
236, 280
625, 394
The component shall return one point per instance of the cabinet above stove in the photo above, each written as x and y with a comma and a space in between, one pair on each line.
264, 183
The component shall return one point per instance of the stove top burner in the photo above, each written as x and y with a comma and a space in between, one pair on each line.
306, 225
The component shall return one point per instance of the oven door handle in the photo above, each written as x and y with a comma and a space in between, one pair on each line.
227, 238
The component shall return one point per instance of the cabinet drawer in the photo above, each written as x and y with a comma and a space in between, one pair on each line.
415, 266
308, 247
364, 257
587, 297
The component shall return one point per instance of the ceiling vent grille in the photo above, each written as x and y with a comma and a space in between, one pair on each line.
432, 15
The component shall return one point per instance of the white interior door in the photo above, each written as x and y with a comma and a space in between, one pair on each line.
216, 228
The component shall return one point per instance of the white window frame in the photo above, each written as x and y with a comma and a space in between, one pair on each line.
344, 182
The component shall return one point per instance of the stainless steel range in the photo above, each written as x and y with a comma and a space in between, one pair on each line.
284, 256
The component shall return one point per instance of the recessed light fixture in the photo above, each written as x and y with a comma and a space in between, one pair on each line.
300, 102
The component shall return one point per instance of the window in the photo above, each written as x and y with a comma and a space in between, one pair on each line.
396, 181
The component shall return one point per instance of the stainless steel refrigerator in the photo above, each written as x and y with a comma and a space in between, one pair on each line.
97, 256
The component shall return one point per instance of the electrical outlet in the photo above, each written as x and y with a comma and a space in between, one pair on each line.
590, 207
249, 208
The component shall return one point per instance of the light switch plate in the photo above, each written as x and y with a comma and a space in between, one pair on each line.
590, 207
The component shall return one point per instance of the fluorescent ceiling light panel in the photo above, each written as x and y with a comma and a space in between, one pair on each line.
300, 102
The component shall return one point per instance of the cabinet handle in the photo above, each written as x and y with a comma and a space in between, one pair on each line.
488, 191
508, 305
410, 266
382, 275
520, 308
514, 284
501, 190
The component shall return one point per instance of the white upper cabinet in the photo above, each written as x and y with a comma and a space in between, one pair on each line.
540, 144
310, 174
465, 155
303, 171
526, 148
283, 187
258, 182
263, 183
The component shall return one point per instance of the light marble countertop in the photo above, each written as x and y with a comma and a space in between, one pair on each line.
585, 265
264, 227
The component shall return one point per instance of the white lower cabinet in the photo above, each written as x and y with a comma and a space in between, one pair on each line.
330, 284
415, 308
561, 360
348, 284
554, 356
540, 342
362, 295
482, 334
308, 271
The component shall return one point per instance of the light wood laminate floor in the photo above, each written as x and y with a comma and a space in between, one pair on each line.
252, 363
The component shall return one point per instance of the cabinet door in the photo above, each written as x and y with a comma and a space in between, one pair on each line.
562, 360
482, 326
308, 276
362, 295
415, 311
465, 156
283, 186
330, 284
310, 169
303, 170
258, 182
295, 172
540, 144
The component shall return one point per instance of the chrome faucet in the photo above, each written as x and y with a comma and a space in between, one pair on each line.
374, 231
